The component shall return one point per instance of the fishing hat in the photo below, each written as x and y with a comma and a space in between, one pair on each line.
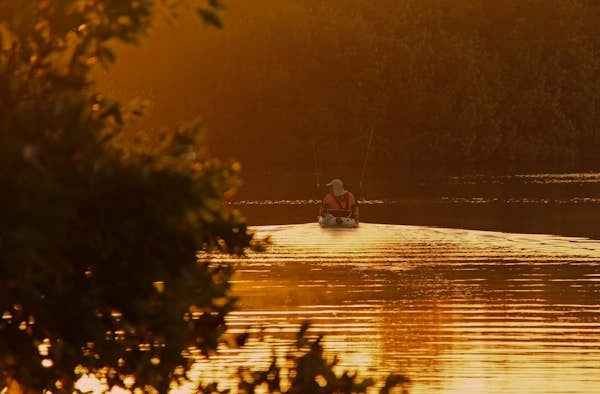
338, 187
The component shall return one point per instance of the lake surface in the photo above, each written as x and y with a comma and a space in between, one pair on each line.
469, 283
457, 311
549, 203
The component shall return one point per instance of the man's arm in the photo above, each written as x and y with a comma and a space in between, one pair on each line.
354, 208
323, 207
355, 212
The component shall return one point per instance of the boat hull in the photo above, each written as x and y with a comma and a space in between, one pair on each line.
332, 221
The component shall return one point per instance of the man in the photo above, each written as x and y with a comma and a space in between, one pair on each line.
339, 202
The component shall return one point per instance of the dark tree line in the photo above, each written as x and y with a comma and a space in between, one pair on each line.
440, 81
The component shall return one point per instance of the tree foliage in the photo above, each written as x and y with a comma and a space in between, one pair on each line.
98, 237
440, 81
309, 371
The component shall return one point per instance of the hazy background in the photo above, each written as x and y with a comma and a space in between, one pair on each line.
443, 83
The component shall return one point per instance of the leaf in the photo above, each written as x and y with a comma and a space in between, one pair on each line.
301, 335
210, 18
392, 381
105, 56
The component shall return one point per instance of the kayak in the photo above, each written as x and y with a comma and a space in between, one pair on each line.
331, 221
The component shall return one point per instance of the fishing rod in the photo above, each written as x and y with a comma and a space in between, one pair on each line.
364, 166
314, 148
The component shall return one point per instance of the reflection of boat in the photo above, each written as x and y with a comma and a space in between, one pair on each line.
329, 220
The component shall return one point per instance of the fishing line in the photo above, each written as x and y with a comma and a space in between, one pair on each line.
316, 164
364, 166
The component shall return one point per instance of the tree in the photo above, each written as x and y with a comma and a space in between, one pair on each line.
443, 82
98, 236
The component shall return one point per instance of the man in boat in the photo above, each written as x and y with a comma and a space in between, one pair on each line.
339, 206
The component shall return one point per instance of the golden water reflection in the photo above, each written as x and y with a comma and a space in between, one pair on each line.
458, 311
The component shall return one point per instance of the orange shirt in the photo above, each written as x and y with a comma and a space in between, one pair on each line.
331, 202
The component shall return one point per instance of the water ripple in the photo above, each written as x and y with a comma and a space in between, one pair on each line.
458, 311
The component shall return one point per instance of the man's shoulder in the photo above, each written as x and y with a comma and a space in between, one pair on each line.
328, 196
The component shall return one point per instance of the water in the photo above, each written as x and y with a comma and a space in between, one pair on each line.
429, 294
458, 311
561, 203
